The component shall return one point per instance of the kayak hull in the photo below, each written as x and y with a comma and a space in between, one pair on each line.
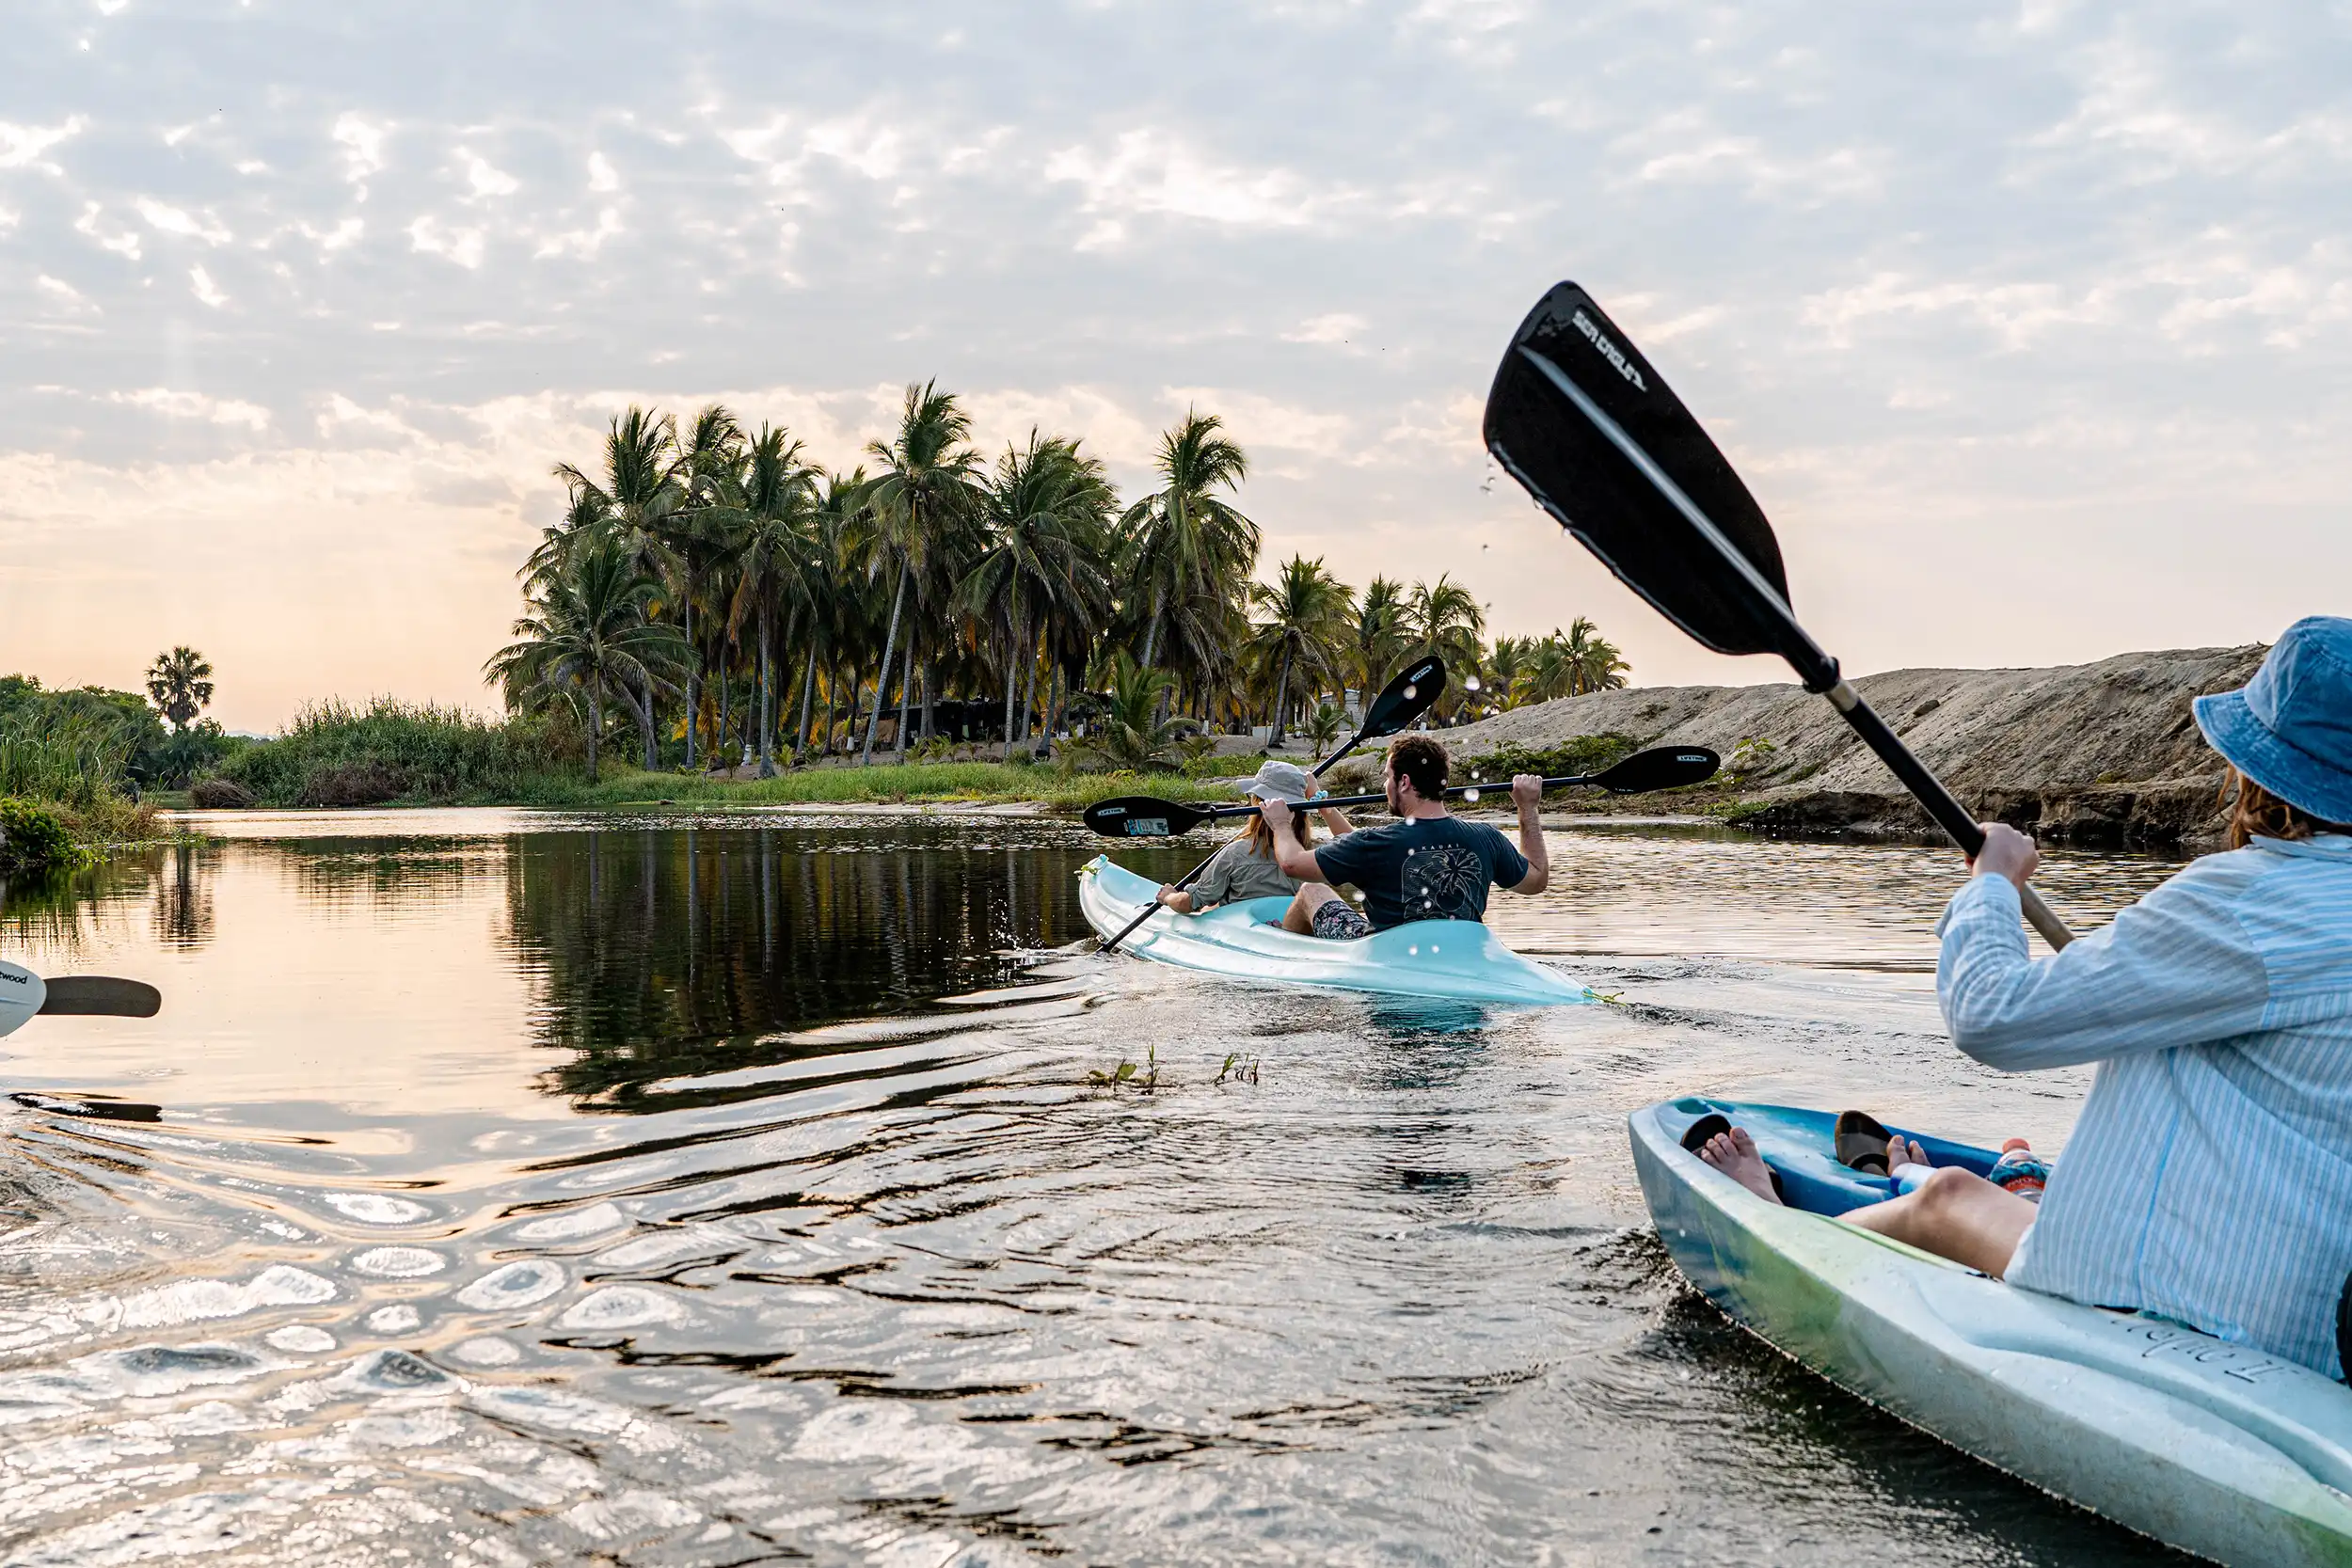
1453, 960
2215, 1448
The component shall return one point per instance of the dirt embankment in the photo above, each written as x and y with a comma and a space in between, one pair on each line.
2102, 753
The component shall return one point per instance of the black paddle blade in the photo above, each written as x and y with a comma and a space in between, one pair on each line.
1571, 377
1141, 817
1661, 768
100, 995
1404, 699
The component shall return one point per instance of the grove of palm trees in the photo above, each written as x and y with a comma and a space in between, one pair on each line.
713, 595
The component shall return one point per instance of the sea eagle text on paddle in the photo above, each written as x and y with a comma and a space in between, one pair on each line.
1614, 355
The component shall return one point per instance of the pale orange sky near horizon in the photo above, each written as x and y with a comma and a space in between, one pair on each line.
2029, 330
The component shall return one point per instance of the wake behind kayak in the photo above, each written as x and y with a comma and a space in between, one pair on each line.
1454, 959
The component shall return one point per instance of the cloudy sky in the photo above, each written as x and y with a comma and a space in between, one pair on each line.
2029, 325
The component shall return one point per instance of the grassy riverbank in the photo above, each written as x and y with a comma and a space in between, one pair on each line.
941, 783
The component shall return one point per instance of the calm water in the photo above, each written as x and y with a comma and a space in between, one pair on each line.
535, 1189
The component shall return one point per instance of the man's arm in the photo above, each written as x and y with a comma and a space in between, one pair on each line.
1295, 858
1527, 793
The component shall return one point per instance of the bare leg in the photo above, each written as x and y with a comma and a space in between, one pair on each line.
1733, 1154
1300, 916
1956, 1214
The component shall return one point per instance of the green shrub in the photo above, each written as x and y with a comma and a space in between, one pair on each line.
1584, 753
337, 754
31, 835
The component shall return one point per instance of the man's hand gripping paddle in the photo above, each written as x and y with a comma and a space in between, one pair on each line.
1659, 768
1580, 418
1403, 700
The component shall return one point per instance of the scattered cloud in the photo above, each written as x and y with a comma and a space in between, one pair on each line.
195, 406
175, 220
201, 285
22, 146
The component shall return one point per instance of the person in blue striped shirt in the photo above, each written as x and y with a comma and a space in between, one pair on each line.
2209, 1176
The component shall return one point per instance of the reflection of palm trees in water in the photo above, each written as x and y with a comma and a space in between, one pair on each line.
183, 898
677, 958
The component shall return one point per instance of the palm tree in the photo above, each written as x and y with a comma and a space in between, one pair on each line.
180, 683
1324, 726
1448, 622
773, 544
588, 630
927, 478
1047, 511
1310, 616
640, 489
1598, 664
1183, 540
1384, 633
693, 533
1132, 733
1508, 661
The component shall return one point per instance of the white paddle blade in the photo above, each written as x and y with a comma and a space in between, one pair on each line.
22, 993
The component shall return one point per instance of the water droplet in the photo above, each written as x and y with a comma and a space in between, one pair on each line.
1413, 951
1411, 692
1471, 684
1471, 795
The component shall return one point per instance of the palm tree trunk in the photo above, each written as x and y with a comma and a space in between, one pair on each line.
890, 646
644, 726
930, 713
906, 690
1053, 696
1151, 630
1281, 700
1028, 688
1012, 683
767, 706
693, 672
809, 694
726, 704
595, 722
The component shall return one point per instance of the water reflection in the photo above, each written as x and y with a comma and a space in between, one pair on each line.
693, 1191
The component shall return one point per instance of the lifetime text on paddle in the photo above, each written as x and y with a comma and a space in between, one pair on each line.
1610, 351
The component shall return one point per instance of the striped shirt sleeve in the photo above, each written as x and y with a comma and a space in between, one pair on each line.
2175, 969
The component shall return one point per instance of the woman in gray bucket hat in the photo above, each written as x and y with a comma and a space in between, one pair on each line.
2209, 1176
1246, 868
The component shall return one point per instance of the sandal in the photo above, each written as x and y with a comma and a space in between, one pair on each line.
1860, 1142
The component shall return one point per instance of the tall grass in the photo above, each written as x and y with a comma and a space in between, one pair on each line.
335, 753
72, 759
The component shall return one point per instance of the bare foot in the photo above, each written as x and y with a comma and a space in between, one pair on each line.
1901, 1151
1733, 1154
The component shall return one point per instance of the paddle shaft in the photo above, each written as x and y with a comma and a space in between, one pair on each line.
1818, 669
1219, 813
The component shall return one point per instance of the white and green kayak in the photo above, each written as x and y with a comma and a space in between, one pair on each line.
1455, 960
2215, 1448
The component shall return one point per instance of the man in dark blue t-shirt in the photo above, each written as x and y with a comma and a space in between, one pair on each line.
1426, 865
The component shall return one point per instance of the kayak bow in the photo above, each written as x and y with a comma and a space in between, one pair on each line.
1456, 959
2217, 1448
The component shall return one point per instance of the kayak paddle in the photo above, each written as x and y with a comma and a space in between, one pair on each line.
24, 994
1659, 768
1402, 701
1584, 422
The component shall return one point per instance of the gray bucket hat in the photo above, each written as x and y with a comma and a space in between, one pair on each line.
2290, 729
1282, 780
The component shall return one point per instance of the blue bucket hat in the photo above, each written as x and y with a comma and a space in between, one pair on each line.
2290, 730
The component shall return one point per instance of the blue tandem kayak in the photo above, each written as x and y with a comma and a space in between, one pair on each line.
1456, 959
2215, 1448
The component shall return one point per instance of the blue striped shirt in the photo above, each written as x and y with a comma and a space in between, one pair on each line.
2209, 1177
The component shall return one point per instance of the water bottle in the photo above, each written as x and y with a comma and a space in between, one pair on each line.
2021, 1170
